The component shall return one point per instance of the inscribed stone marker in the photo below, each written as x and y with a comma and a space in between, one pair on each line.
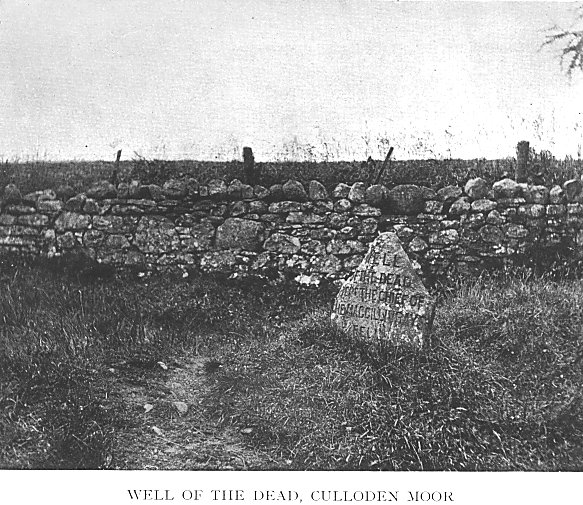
384, 300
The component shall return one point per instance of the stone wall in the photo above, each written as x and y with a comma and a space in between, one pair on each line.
289, 228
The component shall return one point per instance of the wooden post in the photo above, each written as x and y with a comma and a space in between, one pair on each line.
249, 165
380, 174
114, 175
522, 151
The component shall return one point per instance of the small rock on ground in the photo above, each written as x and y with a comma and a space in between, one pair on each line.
181, 407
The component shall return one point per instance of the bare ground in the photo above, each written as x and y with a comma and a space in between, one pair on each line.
163, 438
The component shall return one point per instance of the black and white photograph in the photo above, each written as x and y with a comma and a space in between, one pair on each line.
325, 239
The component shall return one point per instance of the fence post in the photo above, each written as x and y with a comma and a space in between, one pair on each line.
382, 170
522, 152
249, 165
114, 179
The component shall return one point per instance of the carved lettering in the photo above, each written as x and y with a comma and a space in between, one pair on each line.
384, 299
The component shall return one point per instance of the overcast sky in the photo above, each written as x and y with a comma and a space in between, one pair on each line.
304, 78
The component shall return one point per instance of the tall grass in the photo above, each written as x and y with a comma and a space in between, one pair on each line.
501, 389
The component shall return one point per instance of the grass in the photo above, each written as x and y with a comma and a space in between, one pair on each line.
502, 389
34, 176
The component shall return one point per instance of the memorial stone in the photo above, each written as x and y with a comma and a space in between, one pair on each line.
384, 300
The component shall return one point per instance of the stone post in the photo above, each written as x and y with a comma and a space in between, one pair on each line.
522, 151
249, 165
115, 174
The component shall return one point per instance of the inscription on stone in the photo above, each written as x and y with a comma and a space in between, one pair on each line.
384, 300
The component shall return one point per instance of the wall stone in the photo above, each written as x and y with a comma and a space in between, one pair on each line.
11, 194
72, 221
294, 190
506, 188
102, 189
238, 229
236, 233
155, 234
357, 193
317, 191
406, 199
476, 188
282, 243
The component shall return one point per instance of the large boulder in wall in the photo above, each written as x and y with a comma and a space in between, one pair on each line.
12, 194
237, 233
102, 189
506, 188
294, 190
405, 199
477, 188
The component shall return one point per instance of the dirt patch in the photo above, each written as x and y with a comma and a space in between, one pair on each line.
155, 433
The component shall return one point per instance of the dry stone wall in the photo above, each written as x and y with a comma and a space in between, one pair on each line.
300, 230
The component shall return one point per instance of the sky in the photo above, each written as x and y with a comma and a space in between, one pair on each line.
301, 79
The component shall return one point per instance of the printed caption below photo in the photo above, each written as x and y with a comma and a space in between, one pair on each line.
315, 496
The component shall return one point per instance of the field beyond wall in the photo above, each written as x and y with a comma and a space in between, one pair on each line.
33, 176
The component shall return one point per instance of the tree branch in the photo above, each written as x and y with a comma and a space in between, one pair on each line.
572, 52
